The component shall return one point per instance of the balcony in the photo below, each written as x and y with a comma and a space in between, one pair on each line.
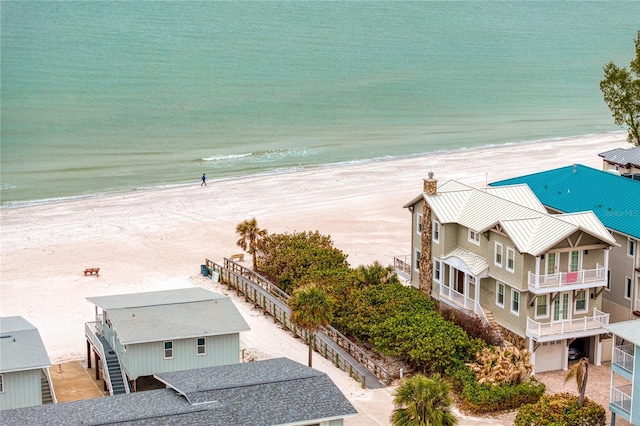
402, 265
623, 357
546, 331
621, 397
565, 281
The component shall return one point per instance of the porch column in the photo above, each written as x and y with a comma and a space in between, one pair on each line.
466, 290
606, 263
537, 278
477, 295
565, 355
532, 359
598, 360
88, 354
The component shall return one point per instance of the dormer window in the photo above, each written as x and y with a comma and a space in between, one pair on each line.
474, 237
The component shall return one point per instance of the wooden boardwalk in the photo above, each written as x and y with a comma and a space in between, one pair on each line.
328, 342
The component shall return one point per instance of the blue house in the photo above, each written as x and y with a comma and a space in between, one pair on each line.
625, 372
261, 393
143, 334
24, 366
615, 200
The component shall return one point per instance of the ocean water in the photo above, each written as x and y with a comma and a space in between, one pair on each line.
115, 96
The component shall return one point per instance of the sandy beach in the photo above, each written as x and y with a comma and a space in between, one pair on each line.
157, 239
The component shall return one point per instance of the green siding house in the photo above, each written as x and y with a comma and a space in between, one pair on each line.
615, 200
496, 254
24, 366
143, 334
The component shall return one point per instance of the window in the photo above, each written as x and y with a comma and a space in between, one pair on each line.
581, 301
417, 264
419, 223
1, 383
436, 270
500, 294
627, 288
511, 259
474, 237
542, 307
201, 348
515, 302
609, 280
436, 231
574, 262
631, 247
168, 350
498, 256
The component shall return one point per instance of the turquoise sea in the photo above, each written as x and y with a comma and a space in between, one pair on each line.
115, 96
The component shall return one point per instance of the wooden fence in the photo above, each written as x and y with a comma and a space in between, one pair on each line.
272, 299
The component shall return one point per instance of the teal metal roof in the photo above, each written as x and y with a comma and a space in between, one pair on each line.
615, 200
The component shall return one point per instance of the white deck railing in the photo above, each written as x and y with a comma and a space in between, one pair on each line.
458, 298
623, 357
621, 397
559, 279
541, 329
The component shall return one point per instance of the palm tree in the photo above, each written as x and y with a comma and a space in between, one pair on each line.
423, 401
311, 308
581, 371
250, 238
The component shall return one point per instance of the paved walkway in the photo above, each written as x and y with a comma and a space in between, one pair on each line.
72, 381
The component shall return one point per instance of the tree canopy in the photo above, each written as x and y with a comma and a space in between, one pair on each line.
311, 308
621, 90
251, 237
423, 401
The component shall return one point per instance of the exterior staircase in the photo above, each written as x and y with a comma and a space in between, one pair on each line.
113, 367
494, 325
47, 397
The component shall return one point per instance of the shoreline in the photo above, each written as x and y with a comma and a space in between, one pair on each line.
310, 168
156, 239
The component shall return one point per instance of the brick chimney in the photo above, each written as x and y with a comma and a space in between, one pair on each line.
426, 263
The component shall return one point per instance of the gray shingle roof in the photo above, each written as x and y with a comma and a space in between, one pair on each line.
271, 392
171, 314
21, 346
623, 157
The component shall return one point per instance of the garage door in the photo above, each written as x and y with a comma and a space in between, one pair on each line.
549, 356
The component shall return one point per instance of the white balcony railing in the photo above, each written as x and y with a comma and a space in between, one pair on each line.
542, 329
559, 279
623, 357
621, 397
457, 297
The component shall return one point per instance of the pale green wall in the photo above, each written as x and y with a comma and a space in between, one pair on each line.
21, 389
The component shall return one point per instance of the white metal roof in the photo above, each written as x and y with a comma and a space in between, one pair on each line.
21, 347
528, 225
476, 264
628, 330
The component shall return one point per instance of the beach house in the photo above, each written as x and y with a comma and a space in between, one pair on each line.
625, 162
497, 254
24, 366
615, 201
143, 334
625, 372
261, 393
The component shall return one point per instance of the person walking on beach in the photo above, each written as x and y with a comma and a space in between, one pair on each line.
204, 180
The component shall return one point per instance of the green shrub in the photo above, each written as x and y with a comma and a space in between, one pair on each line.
561, 410
486, 398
